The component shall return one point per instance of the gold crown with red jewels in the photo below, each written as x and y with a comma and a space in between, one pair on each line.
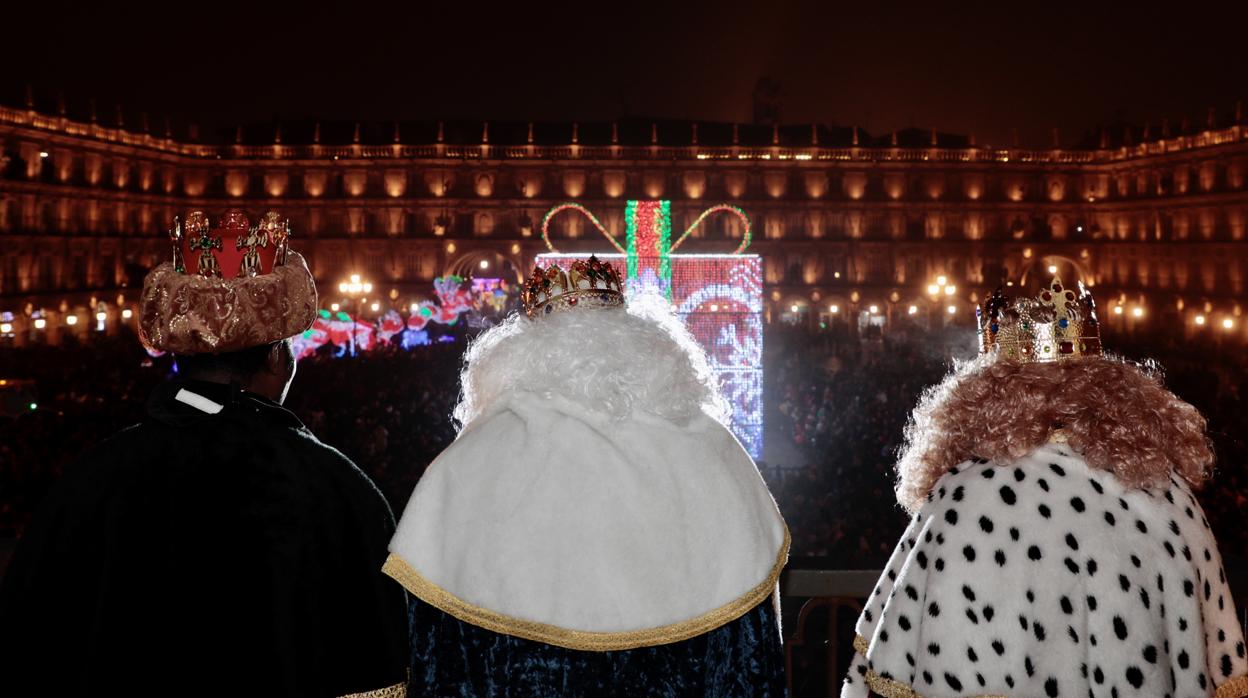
1059, 324
584, 284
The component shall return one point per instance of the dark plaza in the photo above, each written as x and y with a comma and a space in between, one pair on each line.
833, 257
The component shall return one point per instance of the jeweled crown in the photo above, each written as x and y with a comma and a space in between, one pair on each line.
232, 248
585, 284
1059, 324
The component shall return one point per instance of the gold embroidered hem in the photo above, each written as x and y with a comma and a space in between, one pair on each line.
1235, 688
891, 688
398, 690
439, 598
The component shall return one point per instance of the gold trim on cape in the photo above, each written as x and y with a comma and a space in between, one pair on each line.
891, 688
398, 690
1234, 688
403, 573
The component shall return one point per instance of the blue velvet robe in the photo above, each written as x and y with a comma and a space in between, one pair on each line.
453, 658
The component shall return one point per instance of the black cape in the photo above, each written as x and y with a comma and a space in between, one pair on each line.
209, 554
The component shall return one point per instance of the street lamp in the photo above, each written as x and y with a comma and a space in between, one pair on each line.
357, 289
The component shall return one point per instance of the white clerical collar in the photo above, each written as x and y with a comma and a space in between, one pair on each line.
198, 401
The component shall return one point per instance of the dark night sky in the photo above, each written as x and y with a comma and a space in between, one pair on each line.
980, 67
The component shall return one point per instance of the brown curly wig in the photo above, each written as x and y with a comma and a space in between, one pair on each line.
1115, 413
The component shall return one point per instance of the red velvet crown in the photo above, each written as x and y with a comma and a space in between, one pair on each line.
231, 249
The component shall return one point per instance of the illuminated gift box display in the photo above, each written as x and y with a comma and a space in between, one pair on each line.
719, 297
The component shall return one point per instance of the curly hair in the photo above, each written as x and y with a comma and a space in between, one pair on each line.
1115, 413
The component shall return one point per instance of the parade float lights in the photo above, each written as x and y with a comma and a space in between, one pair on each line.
718, 296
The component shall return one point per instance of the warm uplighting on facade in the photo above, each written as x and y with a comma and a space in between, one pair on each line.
450, 248
933, 289
913, 310
950, 290
126, 314
1026, 253
1200, 320
1117, 310
40, 323
1228, 324
1137, 311
71, 320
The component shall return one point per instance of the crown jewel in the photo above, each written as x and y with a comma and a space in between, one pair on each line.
232, 248
585, 284
1060, 324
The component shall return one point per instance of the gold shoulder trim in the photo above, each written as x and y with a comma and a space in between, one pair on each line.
1234, 688
398, 690
438, 597
861, 645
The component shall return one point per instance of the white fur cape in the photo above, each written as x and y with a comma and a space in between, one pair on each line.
559, 524
1045, 577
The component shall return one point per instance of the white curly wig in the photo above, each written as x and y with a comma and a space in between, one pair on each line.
614, 361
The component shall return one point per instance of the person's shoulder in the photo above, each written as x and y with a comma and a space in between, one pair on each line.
335, 466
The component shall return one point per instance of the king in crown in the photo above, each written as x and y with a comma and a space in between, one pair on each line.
585, 284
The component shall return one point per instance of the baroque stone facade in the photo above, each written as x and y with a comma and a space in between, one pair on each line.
844, 222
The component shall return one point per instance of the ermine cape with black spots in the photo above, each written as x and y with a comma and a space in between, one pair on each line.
1045, 577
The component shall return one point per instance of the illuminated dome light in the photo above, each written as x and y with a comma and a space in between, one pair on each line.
1137, 311
127, 314
913, 310
1228, 324
1200, 319
71, 320
952, 309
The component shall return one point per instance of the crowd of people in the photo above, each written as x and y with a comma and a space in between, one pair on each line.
843, 401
